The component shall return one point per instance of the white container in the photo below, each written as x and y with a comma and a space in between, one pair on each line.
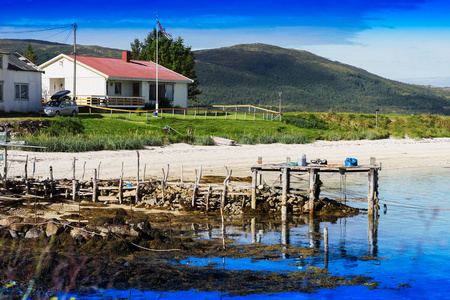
302, 160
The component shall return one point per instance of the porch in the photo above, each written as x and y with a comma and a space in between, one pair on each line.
110, 101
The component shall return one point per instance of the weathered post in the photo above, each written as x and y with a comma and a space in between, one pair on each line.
225, 188
312, 189
285, 178
121, 186
51, 182
74, 181
196, 183
325, 240
372, 197
27, 184
208, 195
137, 179
94, 186
254, 176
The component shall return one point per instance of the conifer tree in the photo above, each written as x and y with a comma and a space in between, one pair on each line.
30, 55
173, 54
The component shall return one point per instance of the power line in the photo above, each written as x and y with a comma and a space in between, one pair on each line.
37, 30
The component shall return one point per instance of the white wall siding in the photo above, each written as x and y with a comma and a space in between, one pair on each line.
9, 78
88, 82
180, 95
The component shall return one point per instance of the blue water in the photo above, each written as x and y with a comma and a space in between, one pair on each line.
410, 239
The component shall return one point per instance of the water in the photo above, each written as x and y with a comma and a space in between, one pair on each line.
409, 238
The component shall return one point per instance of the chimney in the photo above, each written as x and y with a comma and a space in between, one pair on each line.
126, 55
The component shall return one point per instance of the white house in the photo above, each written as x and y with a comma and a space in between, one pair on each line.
20, 84
121, 82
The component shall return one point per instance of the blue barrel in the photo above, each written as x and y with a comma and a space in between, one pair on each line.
351, 162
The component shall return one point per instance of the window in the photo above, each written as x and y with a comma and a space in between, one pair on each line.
118, 88
1, 91
165, 91
1, 62
21, 91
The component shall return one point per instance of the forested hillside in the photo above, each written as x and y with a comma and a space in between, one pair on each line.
47, 50
255, 73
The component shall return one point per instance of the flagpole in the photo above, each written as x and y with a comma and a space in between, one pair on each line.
157, 38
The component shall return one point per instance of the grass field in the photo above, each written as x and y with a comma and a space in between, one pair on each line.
89, 132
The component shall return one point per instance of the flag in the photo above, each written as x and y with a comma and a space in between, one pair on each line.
163, 32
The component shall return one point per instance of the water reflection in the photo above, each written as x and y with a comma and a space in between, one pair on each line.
372, 234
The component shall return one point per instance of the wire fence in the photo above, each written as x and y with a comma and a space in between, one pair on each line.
232, 112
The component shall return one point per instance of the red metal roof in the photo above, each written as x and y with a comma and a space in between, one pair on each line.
139, 69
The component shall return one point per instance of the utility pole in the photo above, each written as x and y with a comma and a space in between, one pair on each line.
156, 92
74, 92
279, 108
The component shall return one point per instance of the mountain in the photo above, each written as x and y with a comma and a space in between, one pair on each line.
47, 50
256, 73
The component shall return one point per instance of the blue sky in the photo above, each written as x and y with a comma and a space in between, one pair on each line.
404, 40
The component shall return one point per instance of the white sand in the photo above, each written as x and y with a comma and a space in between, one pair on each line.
392, 153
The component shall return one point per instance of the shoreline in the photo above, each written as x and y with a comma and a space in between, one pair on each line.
391, 153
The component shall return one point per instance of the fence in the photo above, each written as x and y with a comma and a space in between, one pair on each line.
257, 113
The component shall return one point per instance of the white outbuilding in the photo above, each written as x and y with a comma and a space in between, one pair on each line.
20, 84
117, 82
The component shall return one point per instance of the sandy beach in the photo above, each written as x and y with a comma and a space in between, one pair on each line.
392, 153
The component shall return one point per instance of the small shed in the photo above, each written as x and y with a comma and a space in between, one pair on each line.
20, 84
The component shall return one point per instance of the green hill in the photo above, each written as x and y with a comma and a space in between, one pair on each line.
255, 73
47, 50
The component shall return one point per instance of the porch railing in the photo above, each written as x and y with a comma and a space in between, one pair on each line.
110, 101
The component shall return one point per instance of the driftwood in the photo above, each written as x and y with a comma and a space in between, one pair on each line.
223, 141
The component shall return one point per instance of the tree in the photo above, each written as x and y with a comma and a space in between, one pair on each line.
30, 55
172, 54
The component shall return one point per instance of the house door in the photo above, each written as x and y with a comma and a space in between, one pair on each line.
56, 85
136, 89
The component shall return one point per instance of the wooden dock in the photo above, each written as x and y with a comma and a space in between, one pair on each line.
286, 170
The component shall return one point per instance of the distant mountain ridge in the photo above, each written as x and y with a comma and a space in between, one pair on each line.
46, 50
256, 73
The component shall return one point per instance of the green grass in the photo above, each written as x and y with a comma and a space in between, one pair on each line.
131, 131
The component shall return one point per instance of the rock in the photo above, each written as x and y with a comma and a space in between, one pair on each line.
53, 227
13, 233
79, 234
33, 232
119, 229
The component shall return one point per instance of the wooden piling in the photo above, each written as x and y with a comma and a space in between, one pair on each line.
27, 183
94, 187
137, 179
312, 189
207, 197
254, 176
196, 183
74, 181
225, 188
121, 186
285, 179
325, 241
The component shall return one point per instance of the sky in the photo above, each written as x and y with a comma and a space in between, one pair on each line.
403, 40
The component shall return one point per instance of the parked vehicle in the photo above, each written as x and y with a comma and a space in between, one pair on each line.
61, 105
